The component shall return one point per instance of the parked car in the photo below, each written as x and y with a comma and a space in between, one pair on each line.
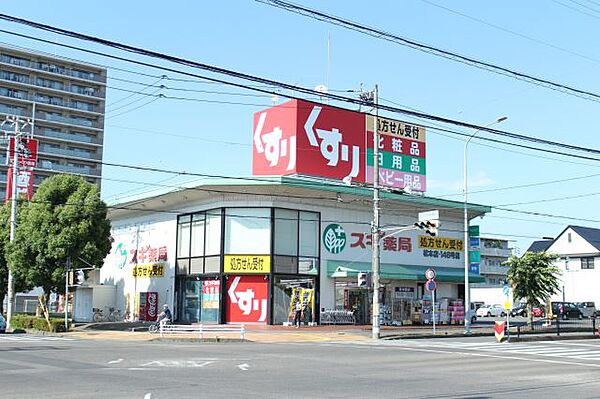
2, 324
537, 311
491, 310
520, 310
587, 308
566, 310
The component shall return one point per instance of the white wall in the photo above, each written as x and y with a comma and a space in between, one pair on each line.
151, 233
578, 285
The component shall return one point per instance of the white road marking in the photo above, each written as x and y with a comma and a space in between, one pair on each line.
178, 363
244, 366
24, 338
148, 396
115, 361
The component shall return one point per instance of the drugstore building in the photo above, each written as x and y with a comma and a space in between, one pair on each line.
243, 250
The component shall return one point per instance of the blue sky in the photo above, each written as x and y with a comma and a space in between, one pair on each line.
212, 134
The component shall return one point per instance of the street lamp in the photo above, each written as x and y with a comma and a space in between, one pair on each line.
466, 224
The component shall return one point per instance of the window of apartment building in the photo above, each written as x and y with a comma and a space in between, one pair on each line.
82, 105
5, 91
13, 110
15, 77
83, 74
53, 84
85, 90
587, 262
46, 66
11, 59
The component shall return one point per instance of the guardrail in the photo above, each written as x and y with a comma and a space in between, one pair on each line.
558, 326
202, 329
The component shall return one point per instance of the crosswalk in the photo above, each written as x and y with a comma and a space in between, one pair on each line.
582, 350
31, 338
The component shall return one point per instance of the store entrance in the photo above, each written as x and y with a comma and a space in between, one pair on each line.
359, 302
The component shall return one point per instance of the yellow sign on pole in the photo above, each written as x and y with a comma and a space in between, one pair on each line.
507, 305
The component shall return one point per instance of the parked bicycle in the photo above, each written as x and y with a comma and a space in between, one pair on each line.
111, 314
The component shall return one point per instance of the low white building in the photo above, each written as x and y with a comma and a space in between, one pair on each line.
579, 253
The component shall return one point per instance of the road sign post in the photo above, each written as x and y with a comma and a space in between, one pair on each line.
506, 291
430, 285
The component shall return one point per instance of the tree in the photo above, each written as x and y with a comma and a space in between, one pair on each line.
533, 277
65, 219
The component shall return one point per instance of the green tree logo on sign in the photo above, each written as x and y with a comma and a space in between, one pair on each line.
334, 238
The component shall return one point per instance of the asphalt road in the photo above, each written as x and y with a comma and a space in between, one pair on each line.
479, 368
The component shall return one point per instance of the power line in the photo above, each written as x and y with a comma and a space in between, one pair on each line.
268, 82
521, 35
334, 20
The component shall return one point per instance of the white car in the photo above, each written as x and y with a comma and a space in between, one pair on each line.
491, 310
2, 324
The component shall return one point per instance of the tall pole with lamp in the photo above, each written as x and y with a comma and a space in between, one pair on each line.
18, 125
466, 225
375, 261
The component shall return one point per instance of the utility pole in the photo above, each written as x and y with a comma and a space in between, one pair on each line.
375, 245
18, 124
66, 303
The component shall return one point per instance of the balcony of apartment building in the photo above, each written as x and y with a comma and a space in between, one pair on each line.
53, 68
68, 151
58, 135
68, 166
60, 87
58, 118
57, 103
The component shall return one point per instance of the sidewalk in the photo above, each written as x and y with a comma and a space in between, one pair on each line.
268, 333
327, 333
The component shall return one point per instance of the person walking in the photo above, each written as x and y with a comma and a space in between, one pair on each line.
298, 313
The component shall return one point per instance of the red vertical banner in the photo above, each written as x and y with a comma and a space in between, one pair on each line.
27, 150
24, 183
247, 299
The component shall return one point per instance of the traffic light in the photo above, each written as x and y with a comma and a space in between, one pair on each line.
363, 279
79, 277
429, 226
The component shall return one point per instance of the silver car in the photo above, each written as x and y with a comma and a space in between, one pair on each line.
588, 309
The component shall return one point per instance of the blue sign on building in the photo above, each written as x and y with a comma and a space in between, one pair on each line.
474, 242
474, 268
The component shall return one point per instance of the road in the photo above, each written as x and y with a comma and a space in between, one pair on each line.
49, 367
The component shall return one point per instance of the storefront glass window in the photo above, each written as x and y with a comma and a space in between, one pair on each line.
247, 231
308, 266
213, 232
183, 238
201, 300
286, 232
309, 234
288, 290
198, 234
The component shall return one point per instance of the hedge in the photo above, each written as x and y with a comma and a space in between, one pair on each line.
38, 323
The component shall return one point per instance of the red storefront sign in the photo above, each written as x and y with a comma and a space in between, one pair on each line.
301, 137
247, 299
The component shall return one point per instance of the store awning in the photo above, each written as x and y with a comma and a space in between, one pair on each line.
391, 271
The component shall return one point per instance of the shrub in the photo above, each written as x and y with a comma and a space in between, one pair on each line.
38, 323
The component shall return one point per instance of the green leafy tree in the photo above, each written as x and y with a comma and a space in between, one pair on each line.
65, 218
534, 278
